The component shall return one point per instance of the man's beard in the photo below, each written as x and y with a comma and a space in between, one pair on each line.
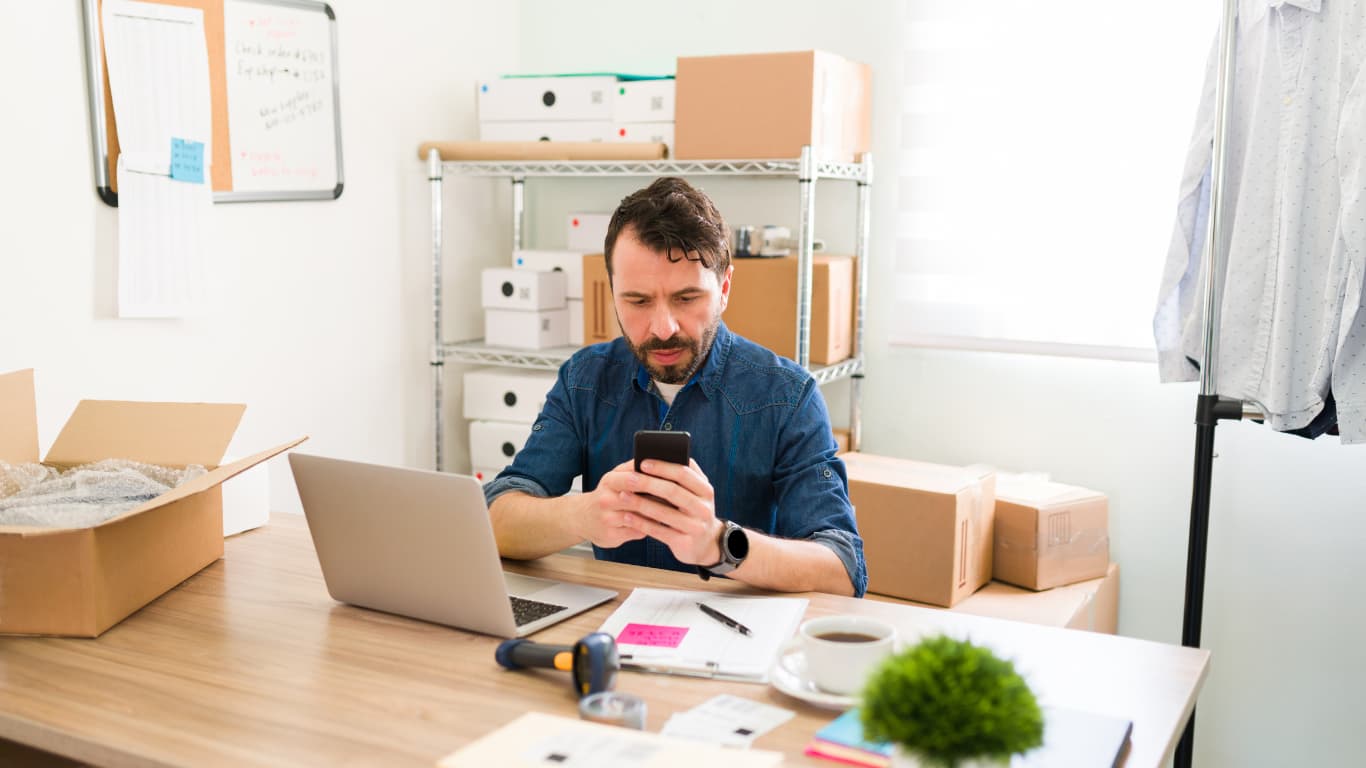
681, 371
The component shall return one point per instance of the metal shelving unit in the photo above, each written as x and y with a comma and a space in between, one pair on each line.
804, 169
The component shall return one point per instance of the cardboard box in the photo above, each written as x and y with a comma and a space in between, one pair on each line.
546, 98
926, 527
769, 105
644, 101
599, 313
587, 232
506, 394
546, 130
496, 443
1091, 605
763, 305
662, 133
82, 581
523, 289
1049, 534
526, 329
568, 262
576, 322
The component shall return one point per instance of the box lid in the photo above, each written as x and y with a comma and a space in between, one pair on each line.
937, 478
168, 434
18, 418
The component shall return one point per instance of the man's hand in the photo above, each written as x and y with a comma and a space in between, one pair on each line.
689, 527
600, 519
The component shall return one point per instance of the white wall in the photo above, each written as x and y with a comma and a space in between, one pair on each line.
1283, 570
322, 316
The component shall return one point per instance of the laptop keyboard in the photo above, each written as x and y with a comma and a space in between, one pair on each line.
526, 611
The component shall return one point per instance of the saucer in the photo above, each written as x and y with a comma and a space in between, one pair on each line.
789, 676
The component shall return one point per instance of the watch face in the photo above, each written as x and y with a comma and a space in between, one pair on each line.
737, 543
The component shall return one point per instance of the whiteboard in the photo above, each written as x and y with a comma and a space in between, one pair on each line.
282, 98
275, 94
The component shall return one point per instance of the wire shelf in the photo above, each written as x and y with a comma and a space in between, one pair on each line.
477, 352
774, 168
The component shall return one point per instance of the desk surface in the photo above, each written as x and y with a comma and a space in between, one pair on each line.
250, 662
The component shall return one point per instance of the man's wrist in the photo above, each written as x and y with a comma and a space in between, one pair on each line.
717, 529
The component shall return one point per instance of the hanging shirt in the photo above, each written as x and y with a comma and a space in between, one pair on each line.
1293, 220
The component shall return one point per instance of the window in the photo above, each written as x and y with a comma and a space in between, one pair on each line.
1042, 145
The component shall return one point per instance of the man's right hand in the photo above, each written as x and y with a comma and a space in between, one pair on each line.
599, 515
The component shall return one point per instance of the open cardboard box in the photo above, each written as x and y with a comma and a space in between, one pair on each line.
82, 581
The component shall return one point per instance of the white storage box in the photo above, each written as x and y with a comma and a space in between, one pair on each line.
495, 443
526, 329
546, 98
510, 288
576, 322
506, 394
587, 233
545, 130
644, 101
662, 133
569, 262
485, 475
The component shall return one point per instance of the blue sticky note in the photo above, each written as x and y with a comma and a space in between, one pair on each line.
187, 161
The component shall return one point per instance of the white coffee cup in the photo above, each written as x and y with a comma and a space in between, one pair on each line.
842, 651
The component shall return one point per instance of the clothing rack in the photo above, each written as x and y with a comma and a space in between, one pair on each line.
1210, 408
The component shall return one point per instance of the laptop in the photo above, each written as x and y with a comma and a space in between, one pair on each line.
419, 544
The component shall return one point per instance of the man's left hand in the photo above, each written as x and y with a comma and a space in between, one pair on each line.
689, 528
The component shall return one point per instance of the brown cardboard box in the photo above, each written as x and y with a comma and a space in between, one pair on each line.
763, 305
1091, 605
926, 527
1049, 534
81, 581
769, 105
599, 313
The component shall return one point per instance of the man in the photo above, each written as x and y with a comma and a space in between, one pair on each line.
764, 500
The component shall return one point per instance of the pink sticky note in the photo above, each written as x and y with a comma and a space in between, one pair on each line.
652, 634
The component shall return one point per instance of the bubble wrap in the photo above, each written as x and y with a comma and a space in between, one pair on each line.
32, 494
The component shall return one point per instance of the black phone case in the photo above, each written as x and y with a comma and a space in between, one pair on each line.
663, 445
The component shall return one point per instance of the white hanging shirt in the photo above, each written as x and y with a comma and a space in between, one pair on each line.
1291, 324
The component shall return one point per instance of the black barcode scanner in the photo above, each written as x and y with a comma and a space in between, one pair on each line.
592, 662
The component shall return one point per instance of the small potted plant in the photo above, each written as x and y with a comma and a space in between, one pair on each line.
948, 703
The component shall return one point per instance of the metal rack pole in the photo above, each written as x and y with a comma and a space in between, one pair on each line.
434, 177
806, 238
1210, 408
518, 208
864, 232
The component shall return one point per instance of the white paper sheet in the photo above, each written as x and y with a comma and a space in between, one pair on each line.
708, 647
158, 68
727, 720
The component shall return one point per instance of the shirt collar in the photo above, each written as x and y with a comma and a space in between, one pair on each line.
708, 377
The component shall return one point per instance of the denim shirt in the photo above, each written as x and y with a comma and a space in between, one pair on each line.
760, 433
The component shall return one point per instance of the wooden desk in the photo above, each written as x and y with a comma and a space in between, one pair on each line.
250, 662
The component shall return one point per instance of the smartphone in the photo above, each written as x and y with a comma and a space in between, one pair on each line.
662, 445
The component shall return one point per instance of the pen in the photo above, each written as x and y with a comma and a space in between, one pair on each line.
724, 619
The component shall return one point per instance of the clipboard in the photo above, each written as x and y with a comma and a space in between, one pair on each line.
664, 631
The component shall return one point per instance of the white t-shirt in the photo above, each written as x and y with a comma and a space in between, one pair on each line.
668, 391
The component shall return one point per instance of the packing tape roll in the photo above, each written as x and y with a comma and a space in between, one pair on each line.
614, 708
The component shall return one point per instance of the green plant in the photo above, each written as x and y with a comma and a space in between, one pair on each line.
948, 700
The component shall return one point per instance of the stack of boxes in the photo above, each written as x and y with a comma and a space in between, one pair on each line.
502, 403
576, 108
972, 539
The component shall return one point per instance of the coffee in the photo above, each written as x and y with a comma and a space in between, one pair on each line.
848, 637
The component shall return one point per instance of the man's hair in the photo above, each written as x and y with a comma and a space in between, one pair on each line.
674, 218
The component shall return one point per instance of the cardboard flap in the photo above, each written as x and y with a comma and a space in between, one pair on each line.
18, 418
168, 434
206, 481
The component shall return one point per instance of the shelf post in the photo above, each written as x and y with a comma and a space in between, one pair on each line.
863, 234
518, 209
806, 183
434, 176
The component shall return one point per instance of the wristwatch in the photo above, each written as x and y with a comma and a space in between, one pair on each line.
734, 546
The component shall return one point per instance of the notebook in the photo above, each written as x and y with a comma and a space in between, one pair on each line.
419, 544
663, 630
